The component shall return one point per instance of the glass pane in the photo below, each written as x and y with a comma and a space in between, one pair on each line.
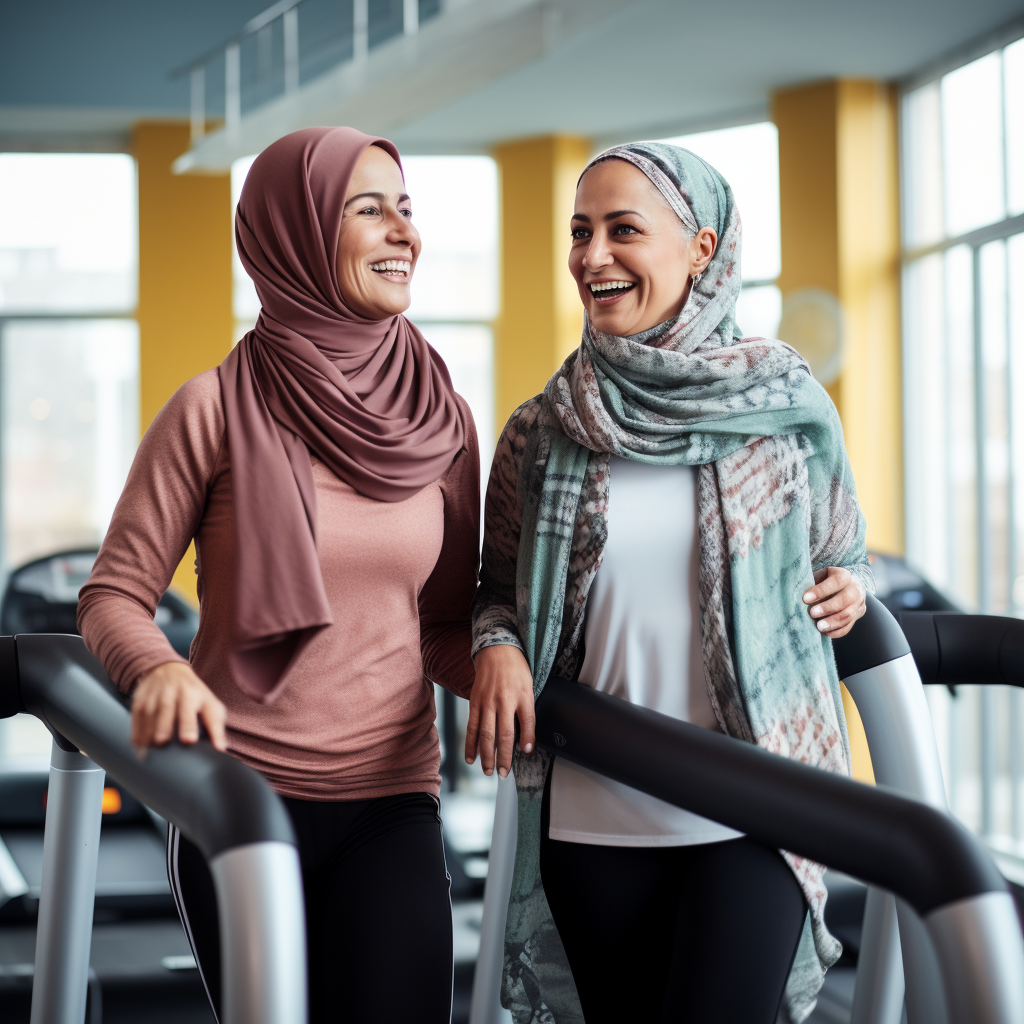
995, 576
456, 277
759, 310
922, 166
67, 232
1015, 274
962, 499
468, 351
748, 157
972, 144
925, 421
70, 428
1013, 77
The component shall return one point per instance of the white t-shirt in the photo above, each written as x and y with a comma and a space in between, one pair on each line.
643, 644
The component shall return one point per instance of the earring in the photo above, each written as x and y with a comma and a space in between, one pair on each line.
697, 277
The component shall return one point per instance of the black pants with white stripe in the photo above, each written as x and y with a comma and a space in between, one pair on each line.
378, 912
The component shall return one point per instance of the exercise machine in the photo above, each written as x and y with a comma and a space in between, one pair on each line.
938, 908
225, 808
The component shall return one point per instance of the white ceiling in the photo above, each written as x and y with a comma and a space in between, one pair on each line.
658, 66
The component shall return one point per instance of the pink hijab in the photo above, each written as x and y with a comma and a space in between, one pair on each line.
370, 398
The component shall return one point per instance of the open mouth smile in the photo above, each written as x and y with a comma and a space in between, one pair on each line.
606, 292
393, 270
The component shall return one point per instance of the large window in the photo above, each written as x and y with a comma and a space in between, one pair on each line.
69, 421
747, 156
69, 362
963, 303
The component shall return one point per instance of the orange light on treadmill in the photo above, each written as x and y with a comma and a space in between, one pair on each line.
111, 800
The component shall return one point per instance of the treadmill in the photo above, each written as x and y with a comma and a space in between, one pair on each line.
141, 958
903, 845
951, 950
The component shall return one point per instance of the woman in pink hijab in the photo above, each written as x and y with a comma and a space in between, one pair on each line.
329, 475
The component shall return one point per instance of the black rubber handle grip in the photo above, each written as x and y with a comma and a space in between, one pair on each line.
872, 833
952, 648
215, 800
875, 639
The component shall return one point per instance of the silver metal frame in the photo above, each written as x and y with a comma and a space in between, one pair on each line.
259, 900
484, 1007
263, 934
981, 939
936, 958
904, 756
74, 809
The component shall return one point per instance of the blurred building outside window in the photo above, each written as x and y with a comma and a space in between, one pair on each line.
962, 163
69, 418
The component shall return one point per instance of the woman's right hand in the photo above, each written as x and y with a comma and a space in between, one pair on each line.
172, 695
502, 691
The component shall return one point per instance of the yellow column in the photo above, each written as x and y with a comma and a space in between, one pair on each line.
184, 312
838, 178
541, 316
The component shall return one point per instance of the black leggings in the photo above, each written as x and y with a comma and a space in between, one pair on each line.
693, 934
378, 912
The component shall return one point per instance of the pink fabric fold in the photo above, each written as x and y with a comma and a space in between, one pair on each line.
371, 399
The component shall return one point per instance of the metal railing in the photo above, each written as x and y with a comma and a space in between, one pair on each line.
268, 57
240, 826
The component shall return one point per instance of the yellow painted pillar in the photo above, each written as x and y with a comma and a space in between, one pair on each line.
838, 179
541, 315
184, 311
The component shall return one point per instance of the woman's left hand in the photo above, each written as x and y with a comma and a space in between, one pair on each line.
837, 601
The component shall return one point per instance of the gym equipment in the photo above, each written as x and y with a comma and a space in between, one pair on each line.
225, 808
956, 917
42, 597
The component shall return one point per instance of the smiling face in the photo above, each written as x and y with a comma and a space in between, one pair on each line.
377, 245
631, 256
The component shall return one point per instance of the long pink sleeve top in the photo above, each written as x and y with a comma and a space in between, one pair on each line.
355, 717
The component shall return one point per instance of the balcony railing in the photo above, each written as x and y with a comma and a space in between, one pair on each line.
289, 44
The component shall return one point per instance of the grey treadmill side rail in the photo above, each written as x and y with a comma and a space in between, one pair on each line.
71, 840
227, 809
897, 723
946, 647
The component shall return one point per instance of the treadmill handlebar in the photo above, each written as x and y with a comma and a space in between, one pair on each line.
948, 647
874, 640
872, 833
952, 648
215, 800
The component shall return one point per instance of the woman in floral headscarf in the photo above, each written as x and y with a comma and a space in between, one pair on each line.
674, 521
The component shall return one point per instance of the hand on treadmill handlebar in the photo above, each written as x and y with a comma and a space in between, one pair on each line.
172, 695
837, 601
503, 691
